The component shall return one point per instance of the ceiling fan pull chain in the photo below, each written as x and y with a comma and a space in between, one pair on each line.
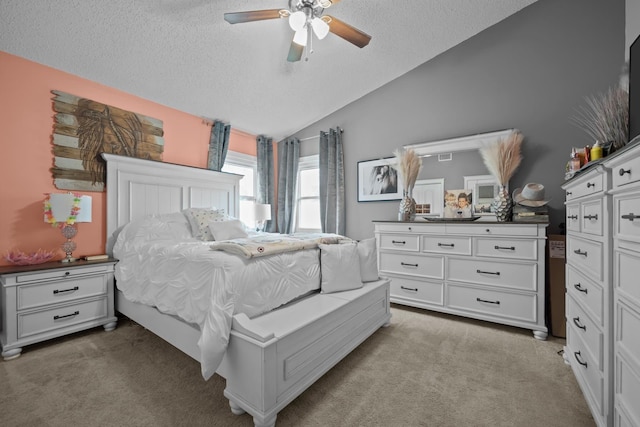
309, 42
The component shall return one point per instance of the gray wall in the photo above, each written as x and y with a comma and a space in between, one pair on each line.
530, 72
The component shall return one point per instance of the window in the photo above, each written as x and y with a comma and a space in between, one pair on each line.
308, 198
246, 165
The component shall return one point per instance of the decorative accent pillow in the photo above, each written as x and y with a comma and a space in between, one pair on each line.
226, 230
368, 260
339, 267
199, 219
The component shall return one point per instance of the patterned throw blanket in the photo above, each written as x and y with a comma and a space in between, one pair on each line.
272, 243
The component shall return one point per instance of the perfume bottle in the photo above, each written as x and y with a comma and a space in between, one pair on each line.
574, 161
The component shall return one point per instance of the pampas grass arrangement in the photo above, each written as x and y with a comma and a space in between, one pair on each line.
503, 157
605, 117
409, 166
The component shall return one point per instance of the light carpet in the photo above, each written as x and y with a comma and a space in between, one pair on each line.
426, 369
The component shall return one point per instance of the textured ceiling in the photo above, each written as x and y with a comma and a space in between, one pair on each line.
182, 54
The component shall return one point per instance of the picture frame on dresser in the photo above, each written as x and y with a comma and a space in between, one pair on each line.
484, 189
378, 180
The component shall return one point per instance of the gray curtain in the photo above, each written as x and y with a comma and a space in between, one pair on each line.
288, 155
265, 192
218, 145
332, 209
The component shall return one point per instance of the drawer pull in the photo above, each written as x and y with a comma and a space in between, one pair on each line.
578, 356
60, 291
404, 264
572, 217
509, 248
569, 193
495, 273
579, 287
591, 217
398, 242
449, 245
621, 172
576, 321
408, 289
579, 252
487, 301
75, 313
630, 216
590, 184
66, 273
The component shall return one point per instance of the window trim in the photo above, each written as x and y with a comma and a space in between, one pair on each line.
235, 158
306, 163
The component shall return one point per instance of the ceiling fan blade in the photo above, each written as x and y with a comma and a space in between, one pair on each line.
295, 52
252, 15
346, 31
328, 3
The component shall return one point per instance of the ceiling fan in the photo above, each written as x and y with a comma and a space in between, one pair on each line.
306, 17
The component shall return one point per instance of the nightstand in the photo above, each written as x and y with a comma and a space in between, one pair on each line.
44, 301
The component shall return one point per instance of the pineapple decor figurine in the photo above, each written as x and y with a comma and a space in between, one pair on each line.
408, 164
502, 158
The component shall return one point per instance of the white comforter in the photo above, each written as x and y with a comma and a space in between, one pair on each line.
161, 265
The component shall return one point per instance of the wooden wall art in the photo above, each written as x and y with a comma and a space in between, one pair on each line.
84, 128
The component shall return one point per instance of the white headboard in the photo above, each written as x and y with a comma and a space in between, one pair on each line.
137, 188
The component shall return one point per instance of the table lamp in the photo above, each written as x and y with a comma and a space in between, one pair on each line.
262, 213
63, 210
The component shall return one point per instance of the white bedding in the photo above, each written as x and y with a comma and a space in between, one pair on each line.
162, 265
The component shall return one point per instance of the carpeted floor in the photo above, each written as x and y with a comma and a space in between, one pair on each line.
426, 369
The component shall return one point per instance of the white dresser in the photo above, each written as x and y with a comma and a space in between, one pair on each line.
484, 270
40, 302
588, 289
625, 196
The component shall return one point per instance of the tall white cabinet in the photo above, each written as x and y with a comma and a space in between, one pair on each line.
484, 270
603, 286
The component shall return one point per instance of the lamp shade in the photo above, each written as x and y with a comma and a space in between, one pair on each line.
262, 212
62, 205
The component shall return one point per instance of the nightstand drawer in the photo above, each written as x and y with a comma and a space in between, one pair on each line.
62, 273
30, 296
38, 322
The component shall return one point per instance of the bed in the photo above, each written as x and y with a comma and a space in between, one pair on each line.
271, 358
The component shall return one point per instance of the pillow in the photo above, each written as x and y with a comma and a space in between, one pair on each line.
226, 230
339, 267
368, 260
199, 219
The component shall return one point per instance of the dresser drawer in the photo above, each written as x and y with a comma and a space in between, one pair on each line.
43, 293
405, 242
413, 265
491, 229
447, 245
627, 216
506, 248
590, 184
62, 273
626, 172
591, 218
584, 327
573, 217
493, 303
628, 390
415, 290
37, 322
588, 293
511, 275
586, 369
628, 278
586, 255
410, 228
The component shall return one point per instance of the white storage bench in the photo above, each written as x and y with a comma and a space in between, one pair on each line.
273, 358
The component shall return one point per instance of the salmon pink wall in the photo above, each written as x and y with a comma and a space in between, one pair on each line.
26, 120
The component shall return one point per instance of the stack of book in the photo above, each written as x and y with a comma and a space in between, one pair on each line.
530, 214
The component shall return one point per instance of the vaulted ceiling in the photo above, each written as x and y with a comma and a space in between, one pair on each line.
183, 54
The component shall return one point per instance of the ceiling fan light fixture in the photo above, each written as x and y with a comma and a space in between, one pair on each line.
300, 37
320, 28
297, 20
